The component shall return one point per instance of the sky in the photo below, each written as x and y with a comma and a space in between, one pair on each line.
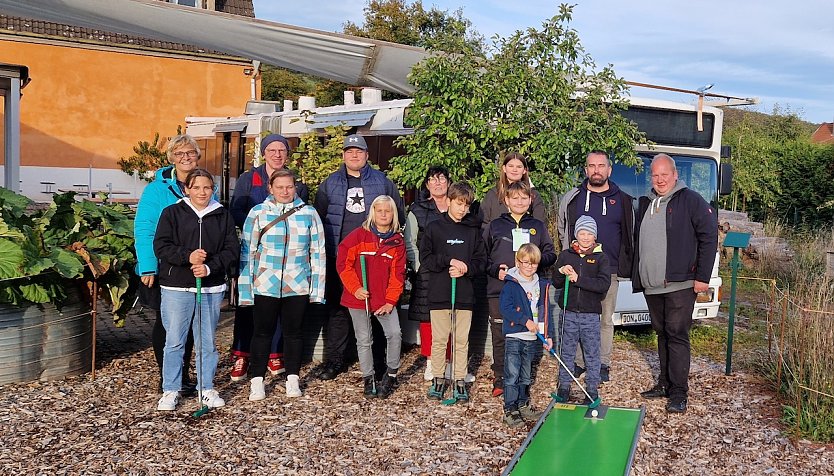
779, 52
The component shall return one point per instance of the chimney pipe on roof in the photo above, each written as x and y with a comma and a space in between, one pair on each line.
287, 105
306, 103
350, 98
371, 95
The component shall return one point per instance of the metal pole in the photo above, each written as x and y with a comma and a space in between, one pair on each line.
734, 265
11, 171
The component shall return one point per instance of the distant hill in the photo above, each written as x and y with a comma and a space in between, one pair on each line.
734, 115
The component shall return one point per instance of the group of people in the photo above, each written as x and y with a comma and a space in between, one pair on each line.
352, 248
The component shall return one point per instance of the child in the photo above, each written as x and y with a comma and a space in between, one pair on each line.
504, 236
195, 240
586, 267
379, 241
525, 306
452, 247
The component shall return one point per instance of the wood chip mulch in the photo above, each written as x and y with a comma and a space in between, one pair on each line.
111, 426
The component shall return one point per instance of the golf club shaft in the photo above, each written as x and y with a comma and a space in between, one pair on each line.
562, 363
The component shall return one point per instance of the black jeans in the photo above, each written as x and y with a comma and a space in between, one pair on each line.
496, 326
671, 315
339, 323
268, 310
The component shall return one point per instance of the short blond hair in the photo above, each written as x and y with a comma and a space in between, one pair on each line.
371, 219
179, 141
530, 252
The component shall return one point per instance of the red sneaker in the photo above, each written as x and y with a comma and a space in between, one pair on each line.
239, 369
275, 366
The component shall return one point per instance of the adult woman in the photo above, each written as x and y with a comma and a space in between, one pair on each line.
166, 189
286, 231
197, 245
251, 189
430, 205
513, 169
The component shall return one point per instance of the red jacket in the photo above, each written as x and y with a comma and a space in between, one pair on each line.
384, 264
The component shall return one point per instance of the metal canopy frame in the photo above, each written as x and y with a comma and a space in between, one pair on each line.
13, 78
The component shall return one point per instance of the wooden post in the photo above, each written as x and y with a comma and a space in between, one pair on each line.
829, 263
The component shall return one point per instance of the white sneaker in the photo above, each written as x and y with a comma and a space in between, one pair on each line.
169, 401
256, 389
212, 399
469, 378
292, 386
427, 375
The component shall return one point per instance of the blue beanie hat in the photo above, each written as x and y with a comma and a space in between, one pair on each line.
586, 223
272, 138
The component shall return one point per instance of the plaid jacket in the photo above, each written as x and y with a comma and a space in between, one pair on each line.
291, 259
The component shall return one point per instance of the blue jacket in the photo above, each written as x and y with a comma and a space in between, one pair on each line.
331, 199
160, 193
251, 189
515, 307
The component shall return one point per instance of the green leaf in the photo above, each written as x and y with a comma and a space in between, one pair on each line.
35, 293
14, 203
67, 263
11, 259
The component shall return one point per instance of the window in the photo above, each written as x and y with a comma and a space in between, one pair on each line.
188, 3
667, 127
698, 173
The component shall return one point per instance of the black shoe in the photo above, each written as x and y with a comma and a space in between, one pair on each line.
388, 384
370, 390
658, 391
594, 396
437, 389
676, 406
188, 389
460, 392
577, 370
604, 371
331, 370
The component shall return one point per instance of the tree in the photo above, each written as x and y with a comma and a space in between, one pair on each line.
539, 94
147, 158
320, 156
278, 84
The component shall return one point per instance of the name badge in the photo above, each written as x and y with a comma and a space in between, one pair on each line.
520, 237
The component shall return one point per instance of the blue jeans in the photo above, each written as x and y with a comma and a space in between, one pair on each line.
177, 316
518, 358
581, 327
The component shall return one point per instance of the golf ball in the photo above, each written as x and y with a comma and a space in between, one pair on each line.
594, 413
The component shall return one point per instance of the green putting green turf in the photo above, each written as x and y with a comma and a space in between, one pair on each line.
564, 442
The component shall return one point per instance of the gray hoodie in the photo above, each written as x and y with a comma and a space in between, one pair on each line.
653, 250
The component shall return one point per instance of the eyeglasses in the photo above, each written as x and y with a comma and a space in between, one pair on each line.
282, 188
527, 264
182, 153
439, 179
275, 151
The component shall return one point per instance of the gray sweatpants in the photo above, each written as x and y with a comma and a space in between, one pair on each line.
365, 339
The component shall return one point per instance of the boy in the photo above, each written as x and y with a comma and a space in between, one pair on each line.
586, 267
452, 247
504, 236
525, 306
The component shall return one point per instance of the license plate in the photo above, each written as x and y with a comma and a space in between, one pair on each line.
627, 318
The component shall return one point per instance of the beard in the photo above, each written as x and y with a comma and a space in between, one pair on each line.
597, 180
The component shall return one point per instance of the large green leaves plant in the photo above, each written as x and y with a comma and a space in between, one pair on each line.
43, 251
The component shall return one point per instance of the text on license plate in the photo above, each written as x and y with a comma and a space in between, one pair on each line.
635, 318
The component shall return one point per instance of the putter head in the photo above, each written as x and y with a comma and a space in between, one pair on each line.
449, 401
202, 411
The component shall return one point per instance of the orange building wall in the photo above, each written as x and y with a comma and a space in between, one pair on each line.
87, 107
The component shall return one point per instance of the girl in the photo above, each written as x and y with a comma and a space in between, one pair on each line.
283, 266
195, 240
513, 169
382, 246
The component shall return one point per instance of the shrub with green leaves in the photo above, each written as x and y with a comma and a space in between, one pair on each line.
44, 251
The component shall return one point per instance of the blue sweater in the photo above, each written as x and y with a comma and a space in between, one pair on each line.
516, 311
160, 193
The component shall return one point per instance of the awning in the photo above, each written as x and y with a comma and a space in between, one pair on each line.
353, 60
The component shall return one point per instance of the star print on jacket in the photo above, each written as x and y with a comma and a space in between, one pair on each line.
355, 200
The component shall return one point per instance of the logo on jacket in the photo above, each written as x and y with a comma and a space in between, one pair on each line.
532, 231
355, 200
612, 201
454, 242
591, 261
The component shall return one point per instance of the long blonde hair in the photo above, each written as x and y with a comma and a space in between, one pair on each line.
503, 183
371, 219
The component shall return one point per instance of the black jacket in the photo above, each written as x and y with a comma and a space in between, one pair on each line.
178, 234
425, 211
587, 293
444, 240
498, 238
691, 238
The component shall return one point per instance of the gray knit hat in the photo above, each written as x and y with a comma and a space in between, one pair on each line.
586, 223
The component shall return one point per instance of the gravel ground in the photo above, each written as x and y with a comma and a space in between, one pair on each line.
110, 425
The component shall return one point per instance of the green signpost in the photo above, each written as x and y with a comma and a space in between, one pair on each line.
736, 241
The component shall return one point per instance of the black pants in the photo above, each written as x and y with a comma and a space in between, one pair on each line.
268, 310
671, 315
496, 326
339, 323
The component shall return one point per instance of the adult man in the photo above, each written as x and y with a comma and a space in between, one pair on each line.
612, 208
677, 239
251, 189
342, 201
